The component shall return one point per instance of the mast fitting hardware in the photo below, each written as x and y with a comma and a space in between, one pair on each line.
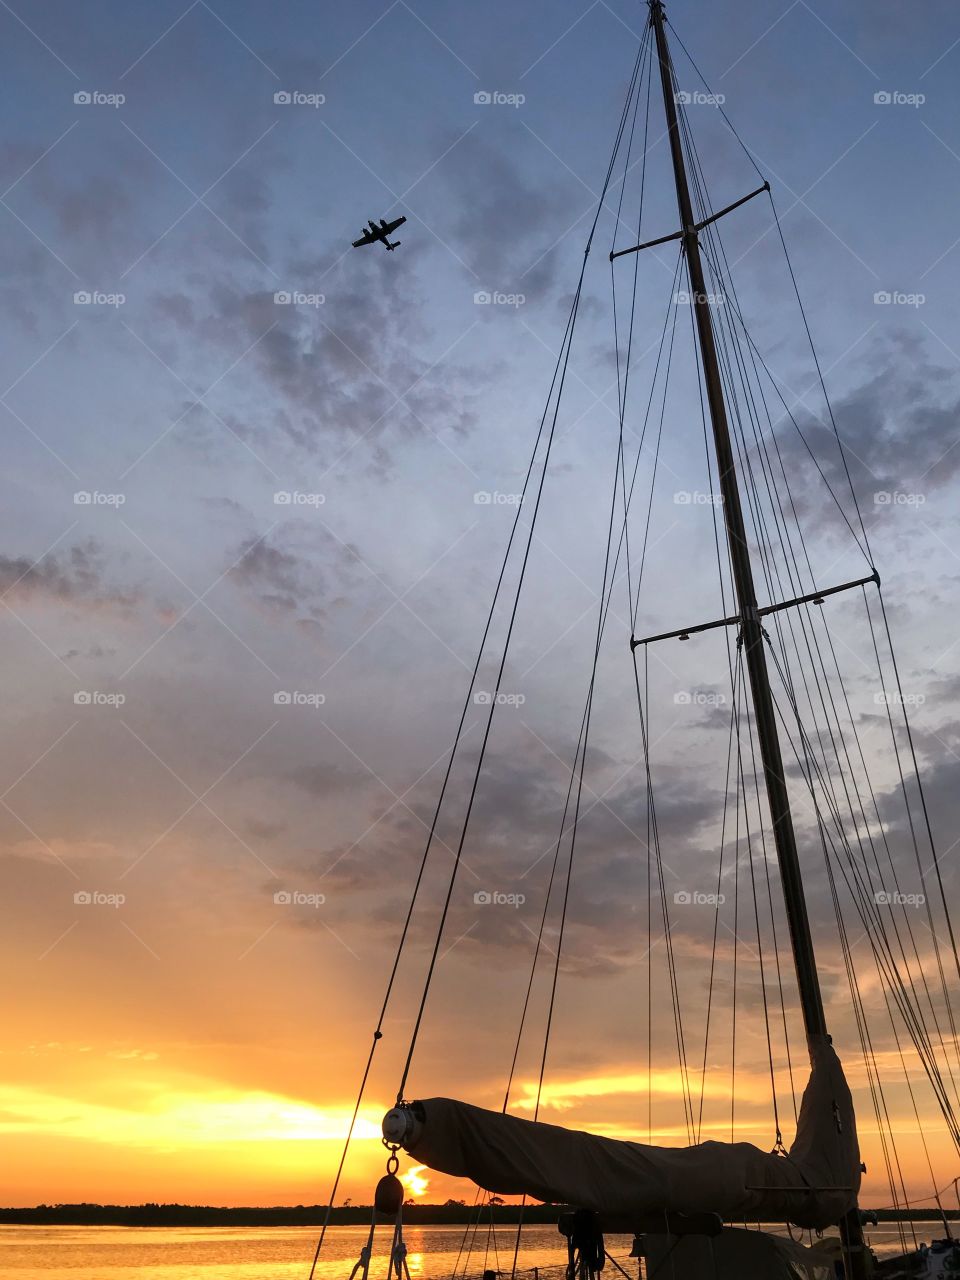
814, 597
694, 228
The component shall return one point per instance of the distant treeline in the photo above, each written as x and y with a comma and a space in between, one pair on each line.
313, 1215
189, 1215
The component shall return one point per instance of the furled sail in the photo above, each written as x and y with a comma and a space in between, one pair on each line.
812, 1186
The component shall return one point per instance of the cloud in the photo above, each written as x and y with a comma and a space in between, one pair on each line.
343, 369
264, 830
507, 225
286, 583
510, 850
899, 432
273, 575
76, 578
324, 779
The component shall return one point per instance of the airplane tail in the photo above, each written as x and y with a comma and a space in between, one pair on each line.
395, 245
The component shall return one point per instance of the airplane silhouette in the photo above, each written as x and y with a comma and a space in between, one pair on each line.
381, 233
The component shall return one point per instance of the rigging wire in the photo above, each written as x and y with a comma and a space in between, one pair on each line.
585, 729
563, 362
559, 370
391, 981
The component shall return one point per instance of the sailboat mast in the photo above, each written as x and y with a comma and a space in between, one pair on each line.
752, 637
751, 630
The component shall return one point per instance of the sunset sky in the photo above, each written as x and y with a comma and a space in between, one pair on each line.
227, 717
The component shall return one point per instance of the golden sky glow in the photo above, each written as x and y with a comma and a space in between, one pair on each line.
202, 1141
239, 1089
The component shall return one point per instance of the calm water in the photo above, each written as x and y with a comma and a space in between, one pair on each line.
281, 1253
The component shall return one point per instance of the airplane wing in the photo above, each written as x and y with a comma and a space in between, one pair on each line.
366, 238
392, 226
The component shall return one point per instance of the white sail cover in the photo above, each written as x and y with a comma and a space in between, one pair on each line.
813, 1186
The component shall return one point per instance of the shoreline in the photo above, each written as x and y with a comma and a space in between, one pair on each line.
178, 1215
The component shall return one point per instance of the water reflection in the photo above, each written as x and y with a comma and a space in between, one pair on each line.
282, 1253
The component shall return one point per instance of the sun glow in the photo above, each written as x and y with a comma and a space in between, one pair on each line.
415, 1184
172, 1117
